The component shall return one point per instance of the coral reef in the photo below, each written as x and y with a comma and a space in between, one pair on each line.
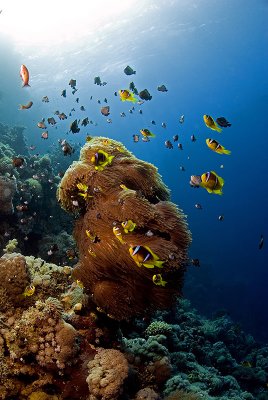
52, 349
109, 187
7, 190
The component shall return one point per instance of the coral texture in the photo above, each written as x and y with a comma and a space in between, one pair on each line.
107, 372
7, 190
126, 188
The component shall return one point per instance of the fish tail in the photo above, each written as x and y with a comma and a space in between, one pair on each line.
20, 107
225, 151
217, 128
159, 264
26, 84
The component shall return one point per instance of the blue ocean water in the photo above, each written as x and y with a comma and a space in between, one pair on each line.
212, 57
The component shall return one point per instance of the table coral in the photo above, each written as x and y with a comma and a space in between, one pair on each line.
123, 188
107, 372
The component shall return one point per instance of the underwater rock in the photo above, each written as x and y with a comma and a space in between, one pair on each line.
13, 137
109, 187
8, 188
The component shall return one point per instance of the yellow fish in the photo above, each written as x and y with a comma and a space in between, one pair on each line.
212, 182
118, 234
29, 291
216, 146
126, 95
210, 123
158, 280
128, 226
91, 236
79, 283
101, 159
84, 188
143, 255
146, 133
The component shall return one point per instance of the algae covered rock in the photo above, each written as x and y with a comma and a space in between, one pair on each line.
121, 203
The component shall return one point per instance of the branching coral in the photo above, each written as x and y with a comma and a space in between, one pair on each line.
124, 188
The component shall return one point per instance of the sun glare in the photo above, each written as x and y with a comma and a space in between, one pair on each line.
52, 22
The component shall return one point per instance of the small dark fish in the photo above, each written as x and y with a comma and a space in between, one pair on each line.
72, 83
221, 218
176, 138
162, 88
105, 100
63, 93
74, 127
97, 80
145, 95
181, 120
51, 121
261, 242
221, 121
195, 262
85, 121
153, 122
77, 99
168, 144
129, 71
140, 111
198, 206
193, 138
182, 168
180, 146
45, 99
164, 125
82, 108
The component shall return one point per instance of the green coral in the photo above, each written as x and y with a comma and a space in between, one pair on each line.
158, 328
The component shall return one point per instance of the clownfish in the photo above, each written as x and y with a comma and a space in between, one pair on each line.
144, 256
126, 95
128, 226
210, 181
210, 123
146, 133
216, 146
24, 74
158, 280
101, 159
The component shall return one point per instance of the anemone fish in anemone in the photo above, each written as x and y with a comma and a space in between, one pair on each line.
101, 159
25, 76
126, 95
217, 147
144, 256
210, 123
210, 181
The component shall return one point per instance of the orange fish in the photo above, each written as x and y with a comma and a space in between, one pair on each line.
26, 106
24, 73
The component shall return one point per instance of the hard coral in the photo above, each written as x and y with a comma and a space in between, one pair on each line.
125, 189
7, 190
107, 372
14, 278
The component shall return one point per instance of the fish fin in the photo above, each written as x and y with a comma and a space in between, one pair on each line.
148, 265
217, 128
110, 158
225, 151
26, 84
159, 264
218, 191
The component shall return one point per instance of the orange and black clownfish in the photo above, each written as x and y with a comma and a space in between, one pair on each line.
216, 146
